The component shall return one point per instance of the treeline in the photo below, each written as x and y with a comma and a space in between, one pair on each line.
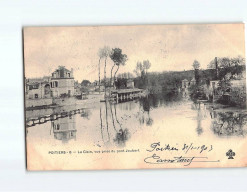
165, 81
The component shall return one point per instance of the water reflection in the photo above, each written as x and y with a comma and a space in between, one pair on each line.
146, 105
86, 113
229, 123
107, 123
64, 129
201, 115
111, 128
121, 137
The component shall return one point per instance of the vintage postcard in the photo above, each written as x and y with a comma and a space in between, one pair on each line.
135, 97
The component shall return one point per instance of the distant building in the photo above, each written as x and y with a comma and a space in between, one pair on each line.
185, 84
130, 84
213, 86
62, 82
192, 82
38, 88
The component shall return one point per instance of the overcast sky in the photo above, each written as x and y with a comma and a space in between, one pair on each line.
167, 47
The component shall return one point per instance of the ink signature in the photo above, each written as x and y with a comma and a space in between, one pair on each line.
155, 159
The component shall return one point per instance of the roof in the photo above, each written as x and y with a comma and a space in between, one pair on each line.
62, 68
33, 81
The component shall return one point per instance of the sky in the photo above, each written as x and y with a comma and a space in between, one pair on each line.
167, 47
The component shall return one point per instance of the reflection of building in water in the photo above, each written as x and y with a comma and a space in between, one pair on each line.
65, 128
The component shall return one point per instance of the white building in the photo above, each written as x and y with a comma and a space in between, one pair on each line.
38, 88
130, 84
62, 82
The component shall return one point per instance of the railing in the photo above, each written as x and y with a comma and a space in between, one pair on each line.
44, 119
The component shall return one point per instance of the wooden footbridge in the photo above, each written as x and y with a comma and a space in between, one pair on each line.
52, 117
127, 94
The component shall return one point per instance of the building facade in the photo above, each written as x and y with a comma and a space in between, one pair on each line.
62, 82
38, 88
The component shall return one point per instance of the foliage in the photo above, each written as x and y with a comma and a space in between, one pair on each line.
224, 84
228, 65
84, 90
139, 69
146, 65
239, 96
85, 83
126, 75
117, 57
104, 52
196, 64
227, 62
197, 93
142, 67
121, 83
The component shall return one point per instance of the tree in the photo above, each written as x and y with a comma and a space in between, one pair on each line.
126, 75
139, 68
105, 52
101, 55
146, 65
85, 83
238, 61
118, 59
196, 65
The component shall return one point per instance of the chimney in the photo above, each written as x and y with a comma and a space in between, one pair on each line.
72, 70
216, 68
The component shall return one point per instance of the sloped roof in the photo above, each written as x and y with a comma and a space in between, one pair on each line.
62, 68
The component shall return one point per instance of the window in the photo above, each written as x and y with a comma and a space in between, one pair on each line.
36, 96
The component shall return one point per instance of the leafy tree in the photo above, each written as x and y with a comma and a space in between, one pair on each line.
105, 53
196, 65
146, 65
238, 61
118, 59
100, 55
85, 83
126, 75
139, 68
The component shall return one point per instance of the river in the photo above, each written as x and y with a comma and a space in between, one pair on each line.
129, 123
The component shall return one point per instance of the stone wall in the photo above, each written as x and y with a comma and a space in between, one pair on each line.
38, 102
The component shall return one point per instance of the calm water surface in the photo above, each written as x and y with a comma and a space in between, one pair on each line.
103, 124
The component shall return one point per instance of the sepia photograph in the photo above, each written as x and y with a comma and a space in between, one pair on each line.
123, 96
135, 97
